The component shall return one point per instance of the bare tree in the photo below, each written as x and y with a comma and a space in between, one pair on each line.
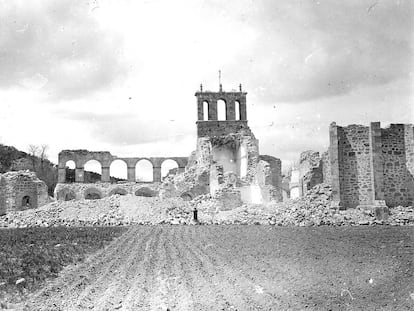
33, 151
43, 149
42, 154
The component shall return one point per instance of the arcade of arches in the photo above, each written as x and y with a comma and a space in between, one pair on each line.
135, 169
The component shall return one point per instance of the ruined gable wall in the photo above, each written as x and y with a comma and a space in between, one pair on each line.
203, 152
269, 176
396, 175
251, 144
354, 165
310, 170
326, 168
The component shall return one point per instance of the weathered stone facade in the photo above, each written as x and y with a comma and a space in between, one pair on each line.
370, 165
21, 190
365, 165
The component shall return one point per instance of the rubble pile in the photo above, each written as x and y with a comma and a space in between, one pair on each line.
401, 215
194, 181
314, 209
115, 210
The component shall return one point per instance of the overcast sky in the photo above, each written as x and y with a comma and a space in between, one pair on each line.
121, 75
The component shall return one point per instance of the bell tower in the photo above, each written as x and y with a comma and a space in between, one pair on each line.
208, 124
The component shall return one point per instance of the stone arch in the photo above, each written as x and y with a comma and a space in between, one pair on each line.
70, 196
146, 192
144, 171
206, 109
221, 110
186, 196
92, 194
26, 202
92, 171
118, 190
237, 110
167, 166
70, 167
65, 194
118, 169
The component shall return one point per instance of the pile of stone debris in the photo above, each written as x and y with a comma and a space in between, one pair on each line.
314, 209
110, 211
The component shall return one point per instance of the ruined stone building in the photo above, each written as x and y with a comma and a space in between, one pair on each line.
21, 190
227, 162
82, 189
366, 165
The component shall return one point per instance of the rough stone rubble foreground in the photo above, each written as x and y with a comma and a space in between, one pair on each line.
314, 209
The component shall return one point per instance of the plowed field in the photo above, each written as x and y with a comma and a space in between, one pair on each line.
241, 268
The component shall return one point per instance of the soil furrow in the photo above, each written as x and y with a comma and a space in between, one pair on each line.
179, 294
196, 281
211, 269
75, 278
239, 268
135, 297
251, 293
100, 276
110, 295
158, 295
260, 273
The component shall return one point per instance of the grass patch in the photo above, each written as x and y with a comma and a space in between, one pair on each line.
30, 256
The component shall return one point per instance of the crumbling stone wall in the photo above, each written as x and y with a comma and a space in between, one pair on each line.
398, 178
219, 128
269, 176
310, 170
226, 163
22, 190
308, 173
356, 184
372, 166
80, 191
326, 168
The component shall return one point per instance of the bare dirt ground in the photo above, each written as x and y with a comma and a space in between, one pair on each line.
241, 268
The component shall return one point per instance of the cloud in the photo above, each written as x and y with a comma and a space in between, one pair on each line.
57, 46
124, 129
314, 49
